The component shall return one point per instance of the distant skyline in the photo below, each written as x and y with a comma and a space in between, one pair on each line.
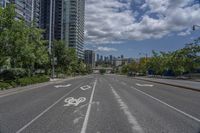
131, 27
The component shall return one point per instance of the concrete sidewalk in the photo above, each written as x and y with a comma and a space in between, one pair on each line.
186, 84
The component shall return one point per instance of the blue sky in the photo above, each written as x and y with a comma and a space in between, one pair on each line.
131, 27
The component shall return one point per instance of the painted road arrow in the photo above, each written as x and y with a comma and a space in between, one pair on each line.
62, 86
144, 85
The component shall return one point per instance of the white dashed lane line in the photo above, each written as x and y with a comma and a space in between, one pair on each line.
136, 128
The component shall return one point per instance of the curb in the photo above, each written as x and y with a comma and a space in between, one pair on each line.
180, 86
33, 86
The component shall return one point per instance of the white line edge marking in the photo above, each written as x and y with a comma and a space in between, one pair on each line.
85, 123
132, 120
188, 115
38, 116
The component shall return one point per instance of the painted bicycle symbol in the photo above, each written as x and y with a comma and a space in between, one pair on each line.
74, 102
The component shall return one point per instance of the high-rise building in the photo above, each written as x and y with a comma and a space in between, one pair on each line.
76, 25
101, 58
98, 57
24, 9
89, 58
29, 10
36, 12
67, 22
3, 3
45, 18
111, 57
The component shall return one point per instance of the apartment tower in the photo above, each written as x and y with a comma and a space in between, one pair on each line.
67, 22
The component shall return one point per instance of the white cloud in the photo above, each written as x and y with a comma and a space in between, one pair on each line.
106, 49
185, 33
110, 21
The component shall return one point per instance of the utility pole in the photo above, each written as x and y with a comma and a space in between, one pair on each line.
51, 54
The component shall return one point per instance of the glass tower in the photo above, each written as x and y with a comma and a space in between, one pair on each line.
76, 26
3, 3
67, 22
29, 10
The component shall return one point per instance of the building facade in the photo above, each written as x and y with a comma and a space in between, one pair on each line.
89, 58
67, 22
3, 3
36, 12
29, 10
76, 25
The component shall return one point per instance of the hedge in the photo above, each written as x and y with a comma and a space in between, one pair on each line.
12, 74
23, 82
32, 80
4, 86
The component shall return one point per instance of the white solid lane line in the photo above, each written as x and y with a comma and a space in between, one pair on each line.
136, 128
172, 107
46, 110
85, 123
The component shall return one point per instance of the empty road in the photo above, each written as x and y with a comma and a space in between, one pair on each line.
101, 104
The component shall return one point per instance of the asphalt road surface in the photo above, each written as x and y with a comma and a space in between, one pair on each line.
101, 104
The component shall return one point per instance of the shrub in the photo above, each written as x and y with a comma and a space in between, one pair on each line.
4, 86
102, 71
12, 83
32, 80
12, 74
24, 81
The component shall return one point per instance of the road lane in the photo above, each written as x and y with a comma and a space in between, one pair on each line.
132, 120
106, 115
85, 123
112, 104
186, 100
62, 118
154, 116
17, 110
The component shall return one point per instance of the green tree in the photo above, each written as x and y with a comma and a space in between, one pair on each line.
6, 21
60, 53
21, 45
124, 69
133, 66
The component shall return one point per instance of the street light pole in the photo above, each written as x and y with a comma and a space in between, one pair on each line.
50, 41
194, 27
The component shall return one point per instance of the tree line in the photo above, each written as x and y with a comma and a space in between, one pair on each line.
23, 49
176, 63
